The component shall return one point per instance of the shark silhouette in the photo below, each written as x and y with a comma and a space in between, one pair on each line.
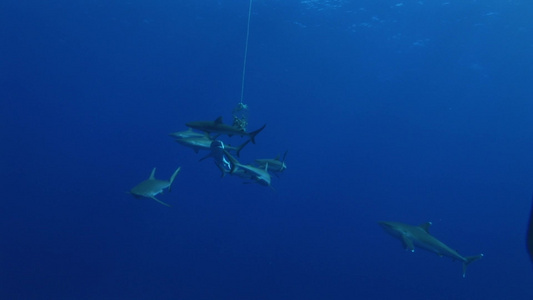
419, 236
275, 165
221, 156
218, 127
150, 187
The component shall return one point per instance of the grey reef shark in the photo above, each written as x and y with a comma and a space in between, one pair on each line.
275, 165
151, 187
221, 156
187, 134
258, 175
203, 142
419, 235
218, 127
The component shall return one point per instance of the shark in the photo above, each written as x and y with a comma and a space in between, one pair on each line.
260, 176
186, 134
150, 187
275, 165
204, 143
218, 127
221, 156
419, 235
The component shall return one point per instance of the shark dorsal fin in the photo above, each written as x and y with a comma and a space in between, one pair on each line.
425, 226
266, 167
152, 174
218, 120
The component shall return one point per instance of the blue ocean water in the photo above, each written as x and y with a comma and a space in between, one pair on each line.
408, 111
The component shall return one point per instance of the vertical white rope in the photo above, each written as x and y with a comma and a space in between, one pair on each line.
246, 51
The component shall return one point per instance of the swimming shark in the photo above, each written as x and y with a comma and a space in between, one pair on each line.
221, 156
204, 143
151, 187
258, 175
275, 165
219, 127
186, 134
419, 236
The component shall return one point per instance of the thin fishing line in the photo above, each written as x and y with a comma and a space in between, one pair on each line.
246, 51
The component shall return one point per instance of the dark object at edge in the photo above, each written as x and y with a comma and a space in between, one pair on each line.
529, 238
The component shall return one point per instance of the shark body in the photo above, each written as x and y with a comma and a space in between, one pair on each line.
186, 134
258, 175
204, 143
151, 187
419, 235
275, 165
221, 156
218, 127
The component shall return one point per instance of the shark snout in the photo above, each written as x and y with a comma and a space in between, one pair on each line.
384, 224
388, 226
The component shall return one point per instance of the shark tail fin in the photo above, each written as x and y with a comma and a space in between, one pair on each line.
173, 177
470, 259
254, 133
238, 152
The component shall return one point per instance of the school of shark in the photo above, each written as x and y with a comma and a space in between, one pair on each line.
207, 136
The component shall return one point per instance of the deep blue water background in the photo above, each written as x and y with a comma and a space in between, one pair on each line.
401, 111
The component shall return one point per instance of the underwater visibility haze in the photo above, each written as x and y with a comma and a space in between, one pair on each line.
396, 113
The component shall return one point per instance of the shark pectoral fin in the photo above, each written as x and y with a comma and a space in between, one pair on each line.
208, 155
165, 204
408, 244
173, 177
